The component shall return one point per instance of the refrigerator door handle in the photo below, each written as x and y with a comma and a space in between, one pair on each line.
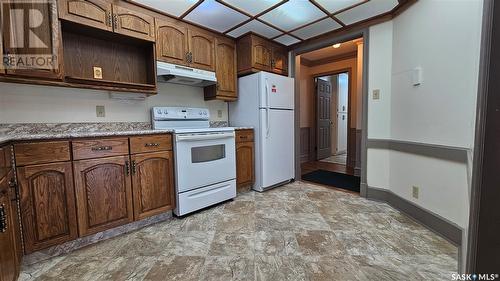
268, 125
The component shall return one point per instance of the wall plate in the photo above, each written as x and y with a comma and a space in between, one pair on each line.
97, 72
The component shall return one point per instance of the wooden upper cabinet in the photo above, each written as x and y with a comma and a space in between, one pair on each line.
153, 183
8, 260
261, 54
280, 60
37, 53
103, 193
225, 70
171, 42
47, 205
94, 13
201, 49
132, 23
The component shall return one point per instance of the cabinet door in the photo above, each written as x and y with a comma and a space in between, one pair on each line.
94, 13
103, 194
226, 68
244, 163
201, 49
280, 61
47, 205
134, 24
261, 54
8, 261
153, 183
34, 52
171, 42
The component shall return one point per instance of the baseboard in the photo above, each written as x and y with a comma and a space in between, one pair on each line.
445, 228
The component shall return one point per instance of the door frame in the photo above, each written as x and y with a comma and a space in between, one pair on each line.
347, 70
294, 72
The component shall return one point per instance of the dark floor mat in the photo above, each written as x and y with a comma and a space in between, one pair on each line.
334, 179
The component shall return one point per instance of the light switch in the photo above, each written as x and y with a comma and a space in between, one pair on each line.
376, 94
100, 111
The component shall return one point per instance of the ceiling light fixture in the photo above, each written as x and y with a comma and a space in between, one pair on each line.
336, 45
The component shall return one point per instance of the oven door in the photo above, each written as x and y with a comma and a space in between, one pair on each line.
204, 159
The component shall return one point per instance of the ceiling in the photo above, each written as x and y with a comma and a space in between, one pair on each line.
329, 52
285, 21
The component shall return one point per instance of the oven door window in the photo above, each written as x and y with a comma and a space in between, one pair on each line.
209, 153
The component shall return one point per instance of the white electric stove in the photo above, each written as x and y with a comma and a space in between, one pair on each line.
205, 158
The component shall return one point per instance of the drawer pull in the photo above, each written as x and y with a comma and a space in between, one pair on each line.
102, 148
3, 219
134, 167
127, 168
153, 144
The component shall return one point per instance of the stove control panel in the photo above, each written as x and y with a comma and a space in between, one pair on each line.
179, 113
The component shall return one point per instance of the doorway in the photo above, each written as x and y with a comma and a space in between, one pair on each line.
330, 86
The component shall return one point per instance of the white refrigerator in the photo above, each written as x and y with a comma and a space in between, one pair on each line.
266, 103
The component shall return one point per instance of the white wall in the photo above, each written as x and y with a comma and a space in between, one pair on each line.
444, 41
42, 104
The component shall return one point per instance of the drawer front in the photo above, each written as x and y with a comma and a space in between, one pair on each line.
244, 135
41, 152
86, 149
141, 144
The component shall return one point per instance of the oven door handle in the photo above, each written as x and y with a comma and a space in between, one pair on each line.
205, 137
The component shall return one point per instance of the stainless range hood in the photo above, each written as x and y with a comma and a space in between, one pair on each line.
178, 74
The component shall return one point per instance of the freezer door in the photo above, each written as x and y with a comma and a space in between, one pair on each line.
277, 91
277, 147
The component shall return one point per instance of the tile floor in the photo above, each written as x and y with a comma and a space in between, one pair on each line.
300, 231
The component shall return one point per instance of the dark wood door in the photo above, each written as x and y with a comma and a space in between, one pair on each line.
33, 52
244, 163
8, 261
261, 54
280, 60
103, 193
171, 42
47, 205
201, 49
152, 183
225, 56
132, 23
94, 13
323, 123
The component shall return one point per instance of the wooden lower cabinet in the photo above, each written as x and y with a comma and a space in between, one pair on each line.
103, 193
47, 205
9, 265
153, 183
245, 159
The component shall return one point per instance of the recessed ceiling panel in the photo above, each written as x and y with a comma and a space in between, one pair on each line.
252, 7
287, 40
334, 6
256, 27
172, 7
366, 11
293, 14
316, 29
216, 16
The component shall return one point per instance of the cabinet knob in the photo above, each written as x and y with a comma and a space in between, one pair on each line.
12, 183
127, 168
3, 219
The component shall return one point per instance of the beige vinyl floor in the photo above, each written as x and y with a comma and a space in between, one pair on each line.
300, 231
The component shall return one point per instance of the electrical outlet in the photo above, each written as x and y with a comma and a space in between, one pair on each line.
219, 113
100, 111
376, 94
415, 191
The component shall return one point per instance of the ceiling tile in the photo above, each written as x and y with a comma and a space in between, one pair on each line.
367, 10
256, 27
287, 40
337, 5
214, 15
252, 7
316, 29
172, 7
293, 14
